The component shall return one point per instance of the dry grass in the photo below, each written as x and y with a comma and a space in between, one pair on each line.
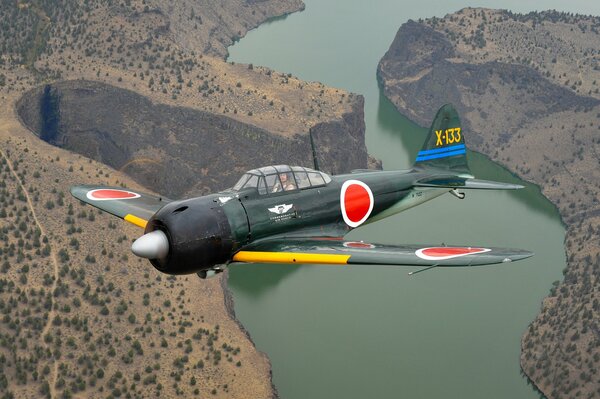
172, 53
79, 337
551, 141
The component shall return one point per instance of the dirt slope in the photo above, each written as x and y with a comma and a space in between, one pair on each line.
526, 87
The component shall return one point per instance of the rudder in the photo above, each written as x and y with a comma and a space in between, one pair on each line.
444, 148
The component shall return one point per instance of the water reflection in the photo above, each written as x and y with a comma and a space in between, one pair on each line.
394, 126
531, 196
257, 279
328, 330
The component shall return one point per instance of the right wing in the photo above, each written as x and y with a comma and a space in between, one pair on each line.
339, 251
134, 207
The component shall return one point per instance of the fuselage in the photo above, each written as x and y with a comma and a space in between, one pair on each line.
297, 214
318, 210
209, 230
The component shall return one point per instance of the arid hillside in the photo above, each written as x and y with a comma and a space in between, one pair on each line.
104, 28
142, 86
82, 316
527, 89
148, 46
178, 151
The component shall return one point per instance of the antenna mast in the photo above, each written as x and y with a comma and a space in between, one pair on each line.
314, 151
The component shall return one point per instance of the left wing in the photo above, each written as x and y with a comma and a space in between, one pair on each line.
135, 207
338, 251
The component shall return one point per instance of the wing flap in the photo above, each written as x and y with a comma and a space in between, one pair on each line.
132, 206
328, 251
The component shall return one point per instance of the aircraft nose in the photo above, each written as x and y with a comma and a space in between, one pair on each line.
154, 245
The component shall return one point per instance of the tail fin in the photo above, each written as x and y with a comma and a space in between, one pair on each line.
445, 154
444, 148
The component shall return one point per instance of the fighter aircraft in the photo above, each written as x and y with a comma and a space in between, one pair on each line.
294, 214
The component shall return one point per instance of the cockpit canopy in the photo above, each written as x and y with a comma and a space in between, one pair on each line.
278, 178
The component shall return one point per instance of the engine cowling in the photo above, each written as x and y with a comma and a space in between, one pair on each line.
198, 234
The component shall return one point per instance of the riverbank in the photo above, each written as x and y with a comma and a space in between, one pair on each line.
89, 305
526, 87
164, 336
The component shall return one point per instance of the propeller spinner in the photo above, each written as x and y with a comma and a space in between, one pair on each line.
154, 245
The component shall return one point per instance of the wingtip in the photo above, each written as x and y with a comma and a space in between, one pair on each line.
509, 186
529, 255
520, 256
76, 191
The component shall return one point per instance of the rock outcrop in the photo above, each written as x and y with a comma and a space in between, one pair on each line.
179, 151
526, 89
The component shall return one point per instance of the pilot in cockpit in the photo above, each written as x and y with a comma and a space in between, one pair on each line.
287, 182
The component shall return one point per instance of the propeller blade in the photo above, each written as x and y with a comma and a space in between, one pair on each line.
154, 245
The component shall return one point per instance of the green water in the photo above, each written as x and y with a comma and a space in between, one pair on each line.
358, 332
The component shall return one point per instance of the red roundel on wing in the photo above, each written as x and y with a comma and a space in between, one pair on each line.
111, 194
442, 252
357, 202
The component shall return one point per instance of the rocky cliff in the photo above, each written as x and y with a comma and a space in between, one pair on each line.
83, 317
142, 86
526, 87
179, 151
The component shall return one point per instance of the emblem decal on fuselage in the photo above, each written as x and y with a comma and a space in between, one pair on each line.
281, 209
356, 201
282, 212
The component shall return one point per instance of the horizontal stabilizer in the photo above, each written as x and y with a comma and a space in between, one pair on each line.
465, 183
343, 252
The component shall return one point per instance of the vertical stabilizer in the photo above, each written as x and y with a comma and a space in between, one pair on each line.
444, 148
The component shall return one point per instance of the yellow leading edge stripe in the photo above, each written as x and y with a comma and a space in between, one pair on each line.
136, 220
290, 257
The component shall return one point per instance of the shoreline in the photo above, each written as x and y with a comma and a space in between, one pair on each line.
506, 167
229, 303
266, 21
228, 298
531, 145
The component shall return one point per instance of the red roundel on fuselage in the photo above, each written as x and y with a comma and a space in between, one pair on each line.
356, 200
104, 194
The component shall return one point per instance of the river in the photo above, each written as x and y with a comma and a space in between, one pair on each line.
375, 332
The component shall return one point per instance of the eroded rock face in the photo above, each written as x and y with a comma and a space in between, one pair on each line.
87, 293
179, 151
526, 89
422, 71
